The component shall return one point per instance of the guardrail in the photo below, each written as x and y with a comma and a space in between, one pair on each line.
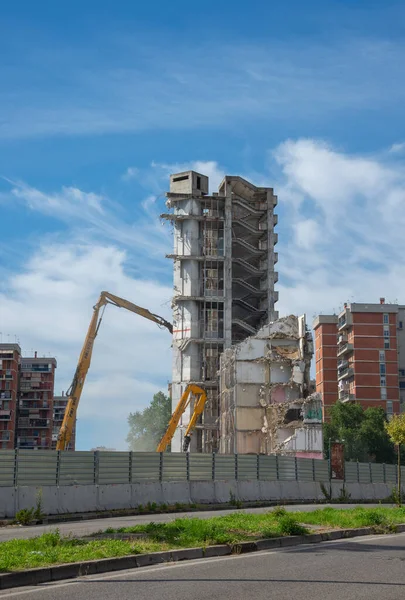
47, 467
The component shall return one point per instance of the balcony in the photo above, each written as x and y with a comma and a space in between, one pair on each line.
345, 373
345, 349
33, 423
346, 397
342, 338
5, 415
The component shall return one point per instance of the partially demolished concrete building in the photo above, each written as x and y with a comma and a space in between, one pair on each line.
265, 402
224, 278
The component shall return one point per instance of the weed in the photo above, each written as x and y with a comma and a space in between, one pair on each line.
151, 507
327, 494
140, 508
25, 516
290, 526
163, 507
38, 514
179, 506
233, 501
395, 497
279, 511
344, 496
193, 505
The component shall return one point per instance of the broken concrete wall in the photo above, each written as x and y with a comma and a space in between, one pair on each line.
265, 392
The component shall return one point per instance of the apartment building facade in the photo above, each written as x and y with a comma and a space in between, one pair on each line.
360, 356
10, 359
26, 399
35, 414
224, 281
59, 409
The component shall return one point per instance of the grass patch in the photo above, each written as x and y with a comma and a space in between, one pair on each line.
355, 517
51, 548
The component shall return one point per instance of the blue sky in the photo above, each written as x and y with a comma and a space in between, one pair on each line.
100, 101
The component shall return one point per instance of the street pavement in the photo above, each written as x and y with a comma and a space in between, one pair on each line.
369, 568
83, 528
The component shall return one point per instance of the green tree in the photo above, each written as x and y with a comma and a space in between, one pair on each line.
344, 425
396, 431
362, 431
146, 428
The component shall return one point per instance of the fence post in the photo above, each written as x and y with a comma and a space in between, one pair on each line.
161, 466
296, 468
58, 467
130, 467
188, 466
371, 472
277, 469
236, 466
15, 476
258, 467
96, 467
384, 473
213, 466
313, 470
358, 472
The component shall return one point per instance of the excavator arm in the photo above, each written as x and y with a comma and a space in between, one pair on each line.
76, 388
184, 402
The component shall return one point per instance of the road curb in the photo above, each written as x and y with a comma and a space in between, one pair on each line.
33, 577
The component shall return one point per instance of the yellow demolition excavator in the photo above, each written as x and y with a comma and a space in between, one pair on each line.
75, 391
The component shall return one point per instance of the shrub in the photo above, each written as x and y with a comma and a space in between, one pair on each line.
289, 526
279, 511
25, 516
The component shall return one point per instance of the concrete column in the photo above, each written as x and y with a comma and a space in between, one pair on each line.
228, 268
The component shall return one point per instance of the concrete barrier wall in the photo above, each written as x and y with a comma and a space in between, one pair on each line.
88, 498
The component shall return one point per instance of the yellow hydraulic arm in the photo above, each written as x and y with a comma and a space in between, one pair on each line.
76, 388
184, 401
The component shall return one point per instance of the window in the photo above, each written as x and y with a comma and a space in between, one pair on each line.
198, 183
400, 325
390, 410
402, 385
383, 381
386, 319
386, 331
382, 369
387, 344
382, 355
181, 178
402, 372
383, 393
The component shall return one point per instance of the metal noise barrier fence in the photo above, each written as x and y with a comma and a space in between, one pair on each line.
45, 467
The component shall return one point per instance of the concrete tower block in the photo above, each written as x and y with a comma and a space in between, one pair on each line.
189, 182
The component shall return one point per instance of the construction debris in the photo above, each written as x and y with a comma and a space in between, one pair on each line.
266, 404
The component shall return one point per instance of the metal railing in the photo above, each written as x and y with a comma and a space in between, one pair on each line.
49, 467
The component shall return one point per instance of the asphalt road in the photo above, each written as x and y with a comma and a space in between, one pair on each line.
83, 528
371, 568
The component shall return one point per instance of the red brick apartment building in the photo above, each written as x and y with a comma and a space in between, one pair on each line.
26, 399
10, 357
360, 356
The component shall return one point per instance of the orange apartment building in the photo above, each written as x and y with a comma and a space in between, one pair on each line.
360, 356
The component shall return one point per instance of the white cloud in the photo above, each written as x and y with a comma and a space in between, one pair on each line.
130, 173
184, 86
307, 233
397, 148
48, 306
347, 218
92, 216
